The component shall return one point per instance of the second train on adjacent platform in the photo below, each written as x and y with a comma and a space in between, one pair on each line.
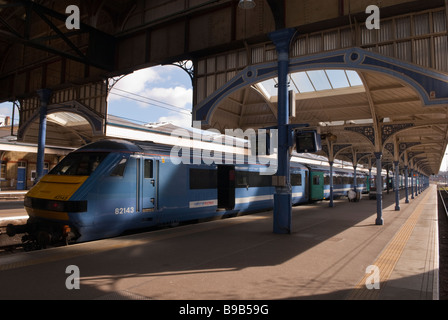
108, 187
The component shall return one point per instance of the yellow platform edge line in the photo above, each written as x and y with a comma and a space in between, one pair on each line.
389, 257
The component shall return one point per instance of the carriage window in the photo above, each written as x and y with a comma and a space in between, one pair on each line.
259, 181
296, 179
118, 171
316, 180
252, 179
148, 169
242, 179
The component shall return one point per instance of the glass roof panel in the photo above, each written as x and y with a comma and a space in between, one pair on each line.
269, 87
302, 82
314, 81
319, 80
354, 78
338, 79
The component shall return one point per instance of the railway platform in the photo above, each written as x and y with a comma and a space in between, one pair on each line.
332, 253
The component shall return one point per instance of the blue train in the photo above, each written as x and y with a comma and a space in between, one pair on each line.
108, 187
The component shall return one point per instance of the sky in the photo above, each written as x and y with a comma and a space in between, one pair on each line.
157, 94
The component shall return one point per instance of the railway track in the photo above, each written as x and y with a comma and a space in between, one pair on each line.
443, 196
443, 242
9, 244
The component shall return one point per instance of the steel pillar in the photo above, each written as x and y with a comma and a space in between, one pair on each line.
283, 194
379, 190
331, 185
406, 183
397, 186
45, 96
412, 183
417, 184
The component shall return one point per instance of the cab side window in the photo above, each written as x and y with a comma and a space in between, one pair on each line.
148, 169
118, 171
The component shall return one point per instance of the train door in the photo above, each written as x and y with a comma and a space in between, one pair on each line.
317, 185
149, 185
226, 187
21, 175
307, 186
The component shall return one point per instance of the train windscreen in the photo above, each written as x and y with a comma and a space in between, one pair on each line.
79, 164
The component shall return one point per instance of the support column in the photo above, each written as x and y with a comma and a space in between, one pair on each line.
397, 186
412, 183
406, 182
417, 183
331, 185
379, 190
283, 195
355, 178
45, 96
387, 179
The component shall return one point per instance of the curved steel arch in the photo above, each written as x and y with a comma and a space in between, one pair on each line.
431, 86
95, 121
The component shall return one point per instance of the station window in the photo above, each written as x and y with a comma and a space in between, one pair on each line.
3, 170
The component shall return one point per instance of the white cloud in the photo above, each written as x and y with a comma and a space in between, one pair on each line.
147, 85
178, 96
180, 119
135, 83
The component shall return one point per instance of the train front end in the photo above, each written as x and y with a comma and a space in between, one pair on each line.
51, 210
58, 205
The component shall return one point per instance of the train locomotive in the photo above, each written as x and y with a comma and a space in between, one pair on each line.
111, 186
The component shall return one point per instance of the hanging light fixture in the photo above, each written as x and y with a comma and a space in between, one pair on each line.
246, 4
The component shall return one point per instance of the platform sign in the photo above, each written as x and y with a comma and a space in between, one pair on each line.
307, 141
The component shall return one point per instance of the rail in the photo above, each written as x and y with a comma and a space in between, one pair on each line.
443, 191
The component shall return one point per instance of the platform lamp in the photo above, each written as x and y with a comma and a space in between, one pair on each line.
246, 4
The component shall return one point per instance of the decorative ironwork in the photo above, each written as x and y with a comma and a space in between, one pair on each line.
187, 66
349, 155
325, 149
390, 147
406, 145
390, 129
360, 155
366, 131
113, 81
339, 147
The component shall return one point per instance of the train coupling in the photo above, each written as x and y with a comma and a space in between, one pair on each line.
12, 230
41, 237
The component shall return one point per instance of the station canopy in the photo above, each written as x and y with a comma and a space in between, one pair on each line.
346, 105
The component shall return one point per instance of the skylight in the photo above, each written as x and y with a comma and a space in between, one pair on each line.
315, 81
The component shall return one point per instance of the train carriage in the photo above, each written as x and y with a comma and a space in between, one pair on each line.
343, 181
111, 186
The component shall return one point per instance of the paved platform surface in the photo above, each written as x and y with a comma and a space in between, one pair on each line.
325, 257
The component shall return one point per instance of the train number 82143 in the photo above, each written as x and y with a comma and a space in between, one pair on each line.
124, 210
